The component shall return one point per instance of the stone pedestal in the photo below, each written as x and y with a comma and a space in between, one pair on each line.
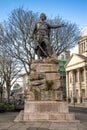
44, 99
45, 79
51, 111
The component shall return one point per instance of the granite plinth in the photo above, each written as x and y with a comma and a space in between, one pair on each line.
46, 111
44, 76
45, 106
44, 98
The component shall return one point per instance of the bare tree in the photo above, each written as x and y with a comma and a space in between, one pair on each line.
9, 69
64, 38
18, 32
18, 36
1, 85
16, 45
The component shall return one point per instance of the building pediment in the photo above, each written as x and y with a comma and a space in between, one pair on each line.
75, 61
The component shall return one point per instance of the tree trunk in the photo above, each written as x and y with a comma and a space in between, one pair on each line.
1, 93
8, 94
1, 97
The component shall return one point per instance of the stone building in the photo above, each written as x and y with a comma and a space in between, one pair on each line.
26, 82
62, 59
76, 72
21, 85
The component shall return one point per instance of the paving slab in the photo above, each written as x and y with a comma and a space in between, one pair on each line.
7, 123
45, 125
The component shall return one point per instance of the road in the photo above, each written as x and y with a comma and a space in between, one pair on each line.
80, 114
6, 122
75, 109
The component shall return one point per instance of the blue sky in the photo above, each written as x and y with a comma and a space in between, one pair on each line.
70, 10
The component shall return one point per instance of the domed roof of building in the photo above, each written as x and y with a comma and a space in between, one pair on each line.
84, 32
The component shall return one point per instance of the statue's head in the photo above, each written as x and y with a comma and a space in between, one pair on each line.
43, 16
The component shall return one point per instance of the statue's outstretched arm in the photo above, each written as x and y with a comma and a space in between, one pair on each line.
57, 26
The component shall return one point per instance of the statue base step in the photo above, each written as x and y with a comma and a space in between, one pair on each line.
50, 111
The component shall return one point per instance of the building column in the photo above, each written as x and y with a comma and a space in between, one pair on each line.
79, 87
73, 88
85, 82
67, 85
79, 48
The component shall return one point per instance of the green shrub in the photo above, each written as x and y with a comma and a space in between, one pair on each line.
7, 106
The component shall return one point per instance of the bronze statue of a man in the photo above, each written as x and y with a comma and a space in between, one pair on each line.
41, 36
